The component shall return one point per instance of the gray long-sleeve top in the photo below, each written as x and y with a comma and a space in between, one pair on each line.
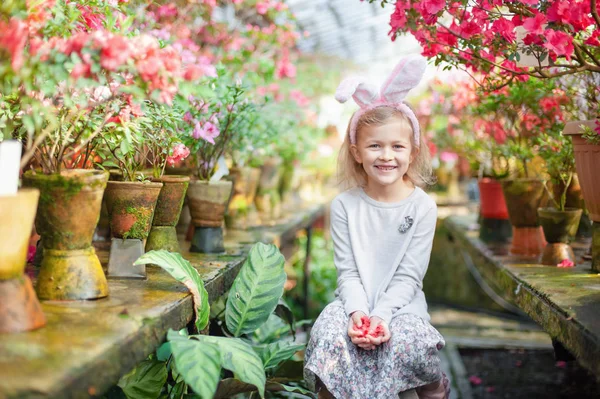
382, 251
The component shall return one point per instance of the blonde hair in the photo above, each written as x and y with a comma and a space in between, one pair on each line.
352, 173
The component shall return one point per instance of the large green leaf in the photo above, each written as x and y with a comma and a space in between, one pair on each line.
198, 362
229, 387
256, 290
290, 370
184, 272
284, 312
275, 386
271, 331
274, 354
239, 357
145, 381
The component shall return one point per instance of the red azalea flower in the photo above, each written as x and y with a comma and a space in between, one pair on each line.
559, 42
536, 24
566, 263
475, 380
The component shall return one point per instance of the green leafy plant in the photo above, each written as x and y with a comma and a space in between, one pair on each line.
254, 348
557, 152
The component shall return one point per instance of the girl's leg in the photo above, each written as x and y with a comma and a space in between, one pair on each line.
435, 390
322, 391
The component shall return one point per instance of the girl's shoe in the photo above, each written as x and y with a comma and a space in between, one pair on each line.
410, 394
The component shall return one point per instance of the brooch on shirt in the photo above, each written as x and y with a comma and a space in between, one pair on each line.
408, 221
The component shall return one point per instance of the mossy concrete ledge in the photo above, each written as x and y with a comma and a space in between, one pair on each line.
565, 302
88, 345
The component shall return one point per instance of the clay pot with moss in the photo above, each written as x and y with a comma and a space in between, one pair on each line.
241, 212
268, 200
130, 207
574, 199
207, 202
20, 309
523, 198
559, 228
163, 234
68, 212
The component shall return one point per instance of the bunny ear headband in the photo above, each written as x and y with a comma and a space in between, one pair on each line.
404, 77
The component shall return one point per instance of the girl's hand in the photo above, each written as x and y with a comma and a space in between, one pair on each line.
355, 333
379, 331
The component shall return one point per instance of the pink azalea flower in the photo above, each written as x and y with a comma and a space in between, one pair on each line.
559, 42
180, 152
31, 253
115, 53
475, 380
535, 25
207, 131
285, 69
13, 39
505, 28
447, 156
566, 263
561, 364
262, 7
432, 6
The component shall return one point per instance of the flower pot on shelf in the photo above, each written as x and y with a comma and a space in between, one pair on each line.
163, 233
523, 198
574, 199
587, 163
241, 212
68, 212
20, 309
559, 228
130, 208
494, 223
208, 202
268, 201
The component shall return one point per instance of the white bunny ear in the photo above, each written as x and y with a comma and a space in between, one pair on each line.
363, 93
406, 76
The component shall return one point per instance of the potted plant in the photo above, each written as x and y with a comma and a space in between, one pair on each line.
44, 107
523, 112
458, 124
213, 118
558, 221
164, 148
130, 200
245, 170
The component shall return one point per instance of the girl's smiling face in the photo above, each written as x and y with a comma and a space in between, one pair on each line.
385, 152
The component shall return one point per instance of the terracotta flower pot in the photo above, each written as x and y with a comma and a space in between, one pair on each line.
575, 200
493, 204
494, 223
131, 207
241, 211
208, 202
68, 212
560, 228
587, 163
523, 198
163, 234
20, 309
268, 201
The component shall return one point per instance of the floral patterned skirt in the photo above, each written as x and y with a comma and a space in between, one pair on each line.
408, 360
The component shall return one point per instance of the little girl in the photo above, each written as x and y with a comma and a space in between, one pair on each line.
375, 340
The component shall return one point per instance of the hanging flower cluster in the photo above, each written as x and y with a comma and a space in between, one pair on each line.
491, 36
